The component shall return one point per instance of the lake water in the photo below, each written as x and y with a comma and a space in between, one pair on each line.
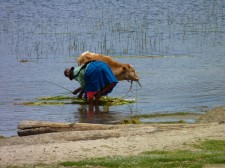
185, 39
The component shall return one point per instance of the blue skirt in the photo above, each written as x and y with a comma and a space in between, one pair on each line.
99, 75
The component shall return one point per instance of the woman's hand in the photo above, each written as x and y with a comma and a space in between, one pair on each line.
77, 90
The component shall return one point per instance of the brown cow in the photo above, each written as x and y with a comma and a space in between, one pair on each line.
120, 70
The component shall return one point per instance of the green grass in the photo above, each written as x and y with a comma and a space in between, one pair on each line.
206, 153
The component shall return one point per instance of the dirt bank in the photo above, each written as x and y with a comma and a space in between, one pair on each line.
128, 140
214, 115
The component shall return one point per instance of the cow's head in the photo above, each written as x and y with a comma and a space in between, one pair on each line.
128, 73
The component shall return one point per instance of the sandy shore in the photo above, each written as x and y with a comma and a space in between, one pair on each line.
128, 140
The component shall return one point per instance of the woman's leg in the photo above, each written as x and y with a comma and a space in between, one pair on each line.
90, 105
97, 97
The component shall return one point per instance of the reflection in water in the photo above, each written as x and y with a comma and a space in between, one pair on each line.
101, 114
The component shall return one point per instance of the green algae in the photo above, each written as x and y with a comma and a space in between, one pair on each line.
40, 103
63, 100
59, 98
168, 118
163, 115
131, 121
23, 60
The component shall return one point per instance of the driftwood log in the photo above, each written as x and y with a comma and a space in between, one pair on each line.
40, 127
80, 131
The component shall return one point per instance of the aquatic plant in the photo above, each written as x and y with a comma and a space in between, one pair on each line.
63, 100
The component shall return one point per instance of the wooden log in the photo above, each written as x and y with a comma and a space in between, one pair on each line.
30, 124
35, 131
27, 124
40, 127
75, 136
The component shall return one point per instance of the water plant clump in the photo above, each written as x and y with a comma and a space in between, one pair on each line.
40, 103
131, 121
59, 98
23, 60
63, 100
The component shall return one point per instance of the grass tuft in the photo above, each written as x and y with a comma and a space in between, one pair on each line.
209, 152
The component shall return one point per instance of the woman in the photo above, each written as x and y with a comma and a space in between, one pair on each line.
95, 77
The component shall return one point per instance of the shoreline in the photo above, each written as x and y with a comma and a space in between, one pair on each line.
53, 148
155, 118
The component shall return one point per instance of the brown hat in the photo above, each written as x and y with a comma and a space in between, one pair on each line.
69, 73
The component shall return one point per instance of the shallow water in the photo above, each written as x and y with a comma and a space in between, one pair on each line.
185, 38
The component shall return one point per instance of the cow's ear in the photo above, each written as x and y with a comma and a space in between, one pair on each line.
129, 66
